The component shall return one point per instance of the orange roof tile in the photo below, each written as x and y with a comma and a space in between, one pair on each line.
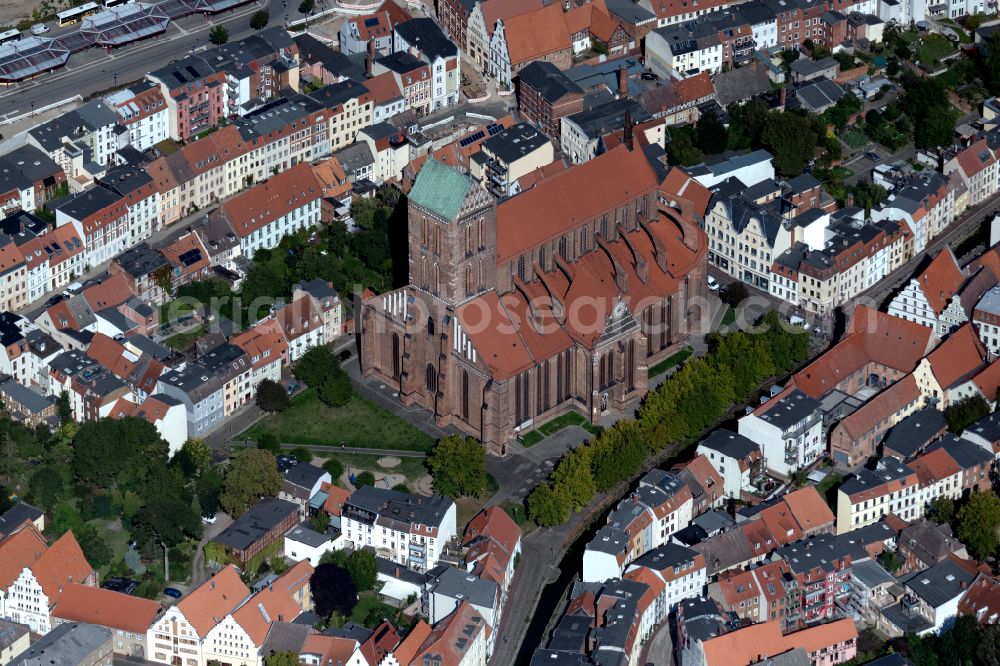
815, 638
95, 605
330, 649
407, 648
383, 87
982, 600
557, 205
878, 412
872, 337
272, 199
988, 381
737, 586
336, 498
580, 18
935, 466
274, 603
975, 158
62, 563
957, 358
110, 293
448, 641
494, 10
185, 245
941, 280
809, 508
264, 343
693, 88
536, 34
213, 600
382, 642
18, 551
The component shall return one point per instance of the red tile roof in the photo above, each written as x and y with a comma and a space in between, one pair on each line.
975, 158
213, 600
270, 200
18, 551
536, 34
873, 337
941, 280
560, 204
61, 564
958, 357
878, 412
934, 466
450, 638
275, 603
94, 605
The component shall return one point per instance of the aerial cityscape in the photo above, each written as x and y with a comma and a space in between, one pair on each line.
499, 332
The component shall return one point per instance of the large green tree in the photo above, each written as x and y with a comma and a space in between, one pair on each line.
363, 569
977, 524
46, 486
252, 474
792, 139
548, 506
271, 396
117, 452
166, 521
458, 466
333, 590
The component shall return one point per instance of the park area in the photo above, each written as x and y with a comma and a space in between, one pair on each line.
361, 423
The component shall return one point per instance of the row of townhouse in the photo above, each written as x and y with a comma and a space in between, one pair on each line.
611, 620
227, 81
951, 468
658, 508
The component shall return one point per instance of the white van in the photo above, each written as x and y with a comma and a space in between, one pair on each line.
39, 29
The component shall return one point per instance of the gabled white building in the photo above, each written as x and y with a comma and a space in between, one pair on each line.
789, 430
931, 299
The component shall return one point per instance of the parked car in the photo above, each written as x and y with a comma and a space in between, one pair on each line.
39, 29
292, 388
873, 156
55, 299
173, 592
344, 355
120, 584
649, 76
208, 520
713, 284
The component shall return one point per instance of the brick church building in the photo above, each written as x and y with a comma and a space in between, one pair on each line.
557, 299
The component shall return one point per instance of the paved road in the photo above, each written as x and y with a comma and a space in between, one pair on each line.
95, 70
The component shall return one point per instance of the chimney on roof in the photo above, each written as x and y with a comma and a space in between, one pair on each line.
622, 82
782, 96
370, 60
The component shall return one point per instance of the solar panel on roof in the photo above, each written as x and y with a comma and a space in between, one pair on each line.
494, 128
369, 22
192, 71
472, 138
190, 257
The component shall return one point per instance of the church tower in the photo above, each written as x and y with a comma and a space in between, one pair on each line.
452, 234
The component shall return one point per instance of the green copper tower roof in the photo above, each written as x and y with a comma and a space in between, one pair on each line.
441, 189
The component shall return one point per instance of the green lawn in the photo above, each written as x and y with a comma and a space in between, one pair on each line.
933, 48
674, 359
366, 602
520, 516
182, 341
361, 423
411, 468
557, 424
116, 540
827, 488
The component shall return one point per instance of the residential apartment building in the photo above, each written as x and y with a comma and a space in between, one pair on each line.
868, 496
976, 166
404, 528
269, 211
789, 430
101, 218
423, 38
142, 110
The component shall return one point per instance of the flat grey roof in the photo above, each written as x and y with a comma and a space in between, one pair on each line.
68, 644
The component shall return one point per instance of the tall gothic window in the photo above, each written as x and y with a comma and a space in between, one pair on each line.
431, 378
562, 248
430, 326
465, 395
541, 257
520, 267
469, 287
395, 356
